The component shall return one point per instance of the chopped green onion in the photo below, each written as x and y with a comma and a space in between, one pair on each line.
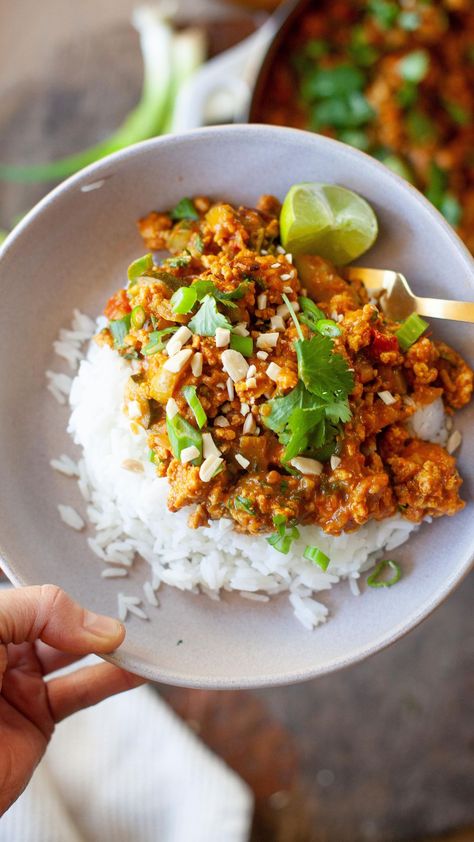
328, 327
309, 308
385, 12
293, 316
374, 581
179, 261
451, 209
243, 344
244, 504
182, 434
140, 267
283, 538
311, 314
411, 330
119, 329
184, 210
317, 556
457, 112
413, 67
183, 300
195, 404
409, 21
152, 457
197, 244
282, 543
156, 340
280, 522
138, 317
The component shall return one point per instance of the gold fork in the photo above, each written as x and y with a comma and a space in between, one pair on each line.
398, 301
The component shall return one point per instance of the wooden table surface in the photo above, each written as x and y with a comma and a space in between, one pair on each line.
380, 752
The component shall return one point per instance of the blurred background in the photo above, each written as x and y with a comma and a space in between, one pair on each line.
383, 751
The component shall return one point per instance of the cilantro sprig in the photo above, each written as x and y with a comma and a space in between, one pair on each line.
308, 418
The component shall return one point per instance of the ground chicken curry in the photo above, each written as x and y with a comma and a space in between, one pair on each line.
273, 391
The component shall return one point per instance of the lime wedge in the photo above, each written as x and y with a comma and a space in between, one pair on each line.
327, 220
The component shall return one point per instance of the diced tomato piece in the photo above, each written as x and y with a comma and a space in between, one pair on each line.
117, 306
381, 343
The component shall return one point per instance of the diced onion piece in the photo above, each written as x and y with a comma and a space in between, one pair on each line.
222, 337
230, 388
335, 462
188, 454
277, 323
289, 257
178, 361
240, 329
252, 371
249, 425
267, 340
262, 301
244, 409
209, 467
196, 364
286, 277
220, 421
306, 466
273, 371
235, 364
387, 397
209, 447
262, 355
171, 408
275, 266
283, 311
243, 462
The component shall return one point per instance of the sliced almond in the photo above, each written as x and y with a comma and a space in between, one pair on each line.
307, 466
235, 364
178, 361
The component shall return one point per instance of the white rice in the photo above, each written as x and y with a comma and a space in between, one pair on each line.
70, 517
129, 513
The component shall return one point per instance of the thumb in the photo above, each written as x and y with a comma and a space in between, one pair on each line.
45, 612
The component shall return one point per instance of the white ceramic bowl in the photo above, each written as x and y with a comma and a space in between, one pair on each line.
71, 251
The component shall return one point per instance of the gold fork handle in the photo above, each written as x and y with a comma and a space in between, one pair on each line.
458, 311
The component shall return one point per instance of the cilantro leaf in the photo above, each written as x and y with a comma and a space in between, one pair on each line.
184, 210
338, 411
208, 319
304, 424
281, 408
324, 373
205, 287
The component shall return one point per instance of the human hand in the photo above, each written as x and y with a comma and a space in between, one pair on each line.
42, 630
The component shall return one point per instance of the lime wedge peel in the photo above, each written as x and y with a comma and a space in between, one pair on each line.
327, 220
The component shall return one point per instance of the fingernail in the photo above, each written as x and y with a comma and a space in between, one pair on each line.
101, 626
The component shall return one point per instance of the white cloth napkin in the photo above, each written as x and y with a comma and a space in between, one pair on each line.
128, 770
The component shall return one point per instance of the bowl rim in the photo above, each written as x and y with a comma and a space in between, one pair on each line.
101, 169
